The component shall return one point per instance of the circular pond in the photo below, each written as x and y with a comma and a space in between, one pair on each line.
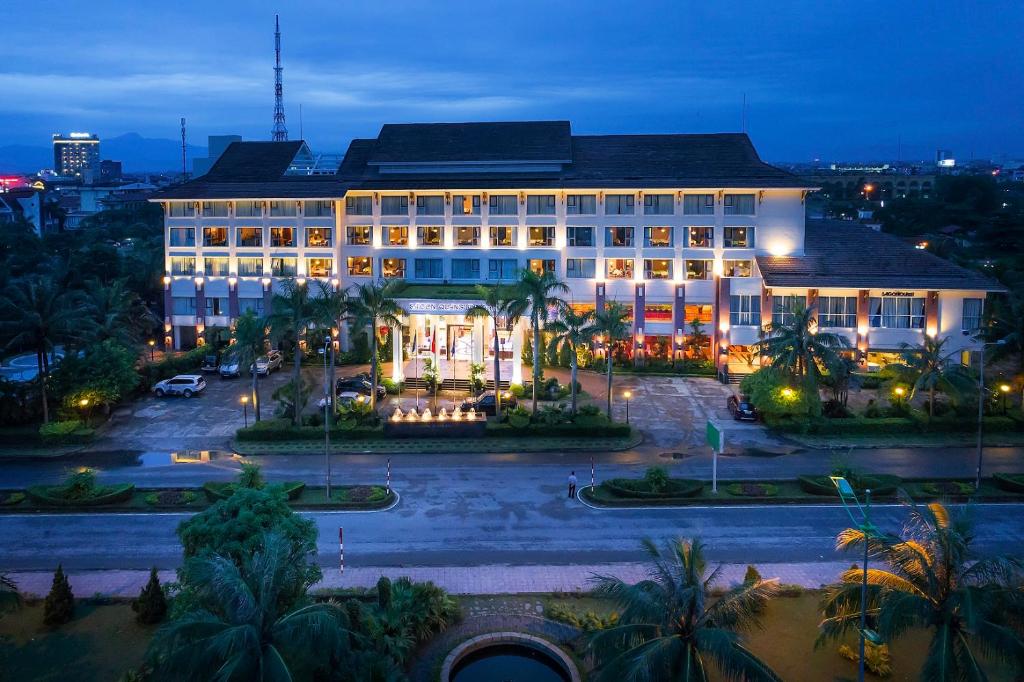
508, 657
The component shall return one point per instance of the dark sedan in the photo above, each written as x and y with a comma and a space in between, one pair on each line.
359, 383
742, 410
486, 403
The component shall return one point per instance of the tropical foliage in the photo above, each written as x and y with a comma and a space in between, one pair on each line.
501, 305
572, 331
800, 348
930, 367
293, 315
611, 324
250, 341
536, 295
370, 306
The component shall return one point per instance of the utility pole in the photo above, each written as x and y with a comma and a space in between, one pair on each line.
279, 133
184, 165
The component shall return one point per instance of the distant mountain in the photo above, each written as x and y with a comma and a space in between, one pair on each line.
136, 153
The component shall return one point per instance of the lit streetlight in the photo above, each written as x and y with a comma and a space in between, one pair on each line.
84, 404
245, 410
788, 393
152, 346
1005, 390
627, 395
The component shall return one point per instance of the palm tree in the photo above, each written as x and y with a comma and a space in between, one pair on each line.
332, 306
246, 626
118, 313
498, 303
798, 348
250, 340
669, 630
572, 330
37, 314
10, 597
1008, 329
611, 323
374, 304
538, 293
293, 314
934, 581
928, 367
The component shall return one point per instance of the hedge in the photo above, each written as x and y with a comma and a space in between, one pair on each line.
880, 485
221, 491
604, 430
67, 432
640, 489
752, 489
1013, 483
918, 423
172, 365
277, 430
46, 494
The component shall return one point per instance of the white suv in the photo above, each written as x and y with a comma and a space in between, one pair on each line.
185, 385
265, 364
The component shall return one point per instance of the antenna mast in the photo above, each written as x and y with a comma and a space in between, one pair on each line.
184, 166
279, 133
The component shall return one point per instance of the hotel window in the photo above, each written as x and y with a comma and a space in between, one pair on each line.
619, 268
429, 235
739, 204
253, 304
581, 204
659, 204
215, 236
392, 268
897, 312
700, 237
282, 236
745, 311
539, 266
658, 268
396, 235
700, 269
503, 204
320, 236
971, 319
503, 235
358, 235
786, 308
702, 313
249, 209
619, 204
182, 209
541, 235
579, 236
181, 236
837, 311
318, 209
699, 204
540, 204
183, 265
580, 268
465, 268
250, 267
738, 237
183, 305
249, 236
216, 306
430, 205
358, 205
467, 235
324, 267
429, 268
658, 312
657, 236
283, 208
501, 269
215, 209
737, 268
216, 267
628, 310
618, 236
283, 267
359, 266
465, 204
391, 206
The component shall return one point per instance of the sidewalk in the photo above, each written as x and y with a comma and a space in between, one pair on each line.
493, 579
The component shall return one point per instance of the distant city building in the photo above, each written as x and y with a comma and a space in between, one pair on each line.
23, 202
76, 153
944, 158
215, 146
110, 171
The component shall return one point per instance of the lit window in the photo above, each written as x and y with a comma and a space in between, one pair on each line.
540, 265
358, 235
215, 267
322, 267
700, 269
359, 266
250, 267
467, 235
282, 236
392, 268
737, 268
429, 235
215, 236
701, 237
465, 204
618, 236
319, 236
249, 236
503, 235
738, 237
183, 265
283, 267
396, 235
657, 237
658, 268
541, 235
619, 268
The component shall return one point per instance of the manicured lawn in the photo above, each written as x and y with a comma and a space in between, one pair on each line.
440, 445
907, 440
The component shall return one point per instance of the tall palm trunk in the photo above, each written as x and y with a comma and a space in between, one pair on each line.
296, 374
536, 359
40, 365
373, 365
497, 374
255, 392
931, 401
572, 378
608, 359
330, 373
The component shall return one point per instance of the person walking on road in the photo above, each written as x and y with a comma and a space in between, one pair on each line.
572, 484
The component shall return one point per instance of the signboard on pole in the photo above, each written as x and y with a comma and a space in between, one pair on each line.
716, 439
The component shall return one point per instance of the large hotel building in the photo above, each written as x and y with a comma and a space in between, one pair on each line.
675, 227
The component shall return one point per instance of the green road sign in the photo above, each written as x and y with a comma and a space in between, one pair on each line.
715, 438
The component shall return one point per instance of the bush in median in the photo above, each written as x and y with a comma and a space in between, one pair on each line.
277, 430
752, 489
1013, 483
221, 491
641, 488
80, 489
67, 432
605, 430
880, 485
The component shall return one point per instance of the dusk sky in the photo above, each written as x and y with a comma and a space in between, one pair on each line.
822, 79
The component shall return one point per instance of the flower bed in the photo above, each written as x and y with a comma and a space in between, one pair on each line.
749, 489
56, 495
640, 489
170, 498
881, 485
222, 491
1013, 483
948, 488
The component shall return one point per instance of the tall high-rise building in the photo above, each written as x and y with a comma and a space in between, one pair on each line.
75, 153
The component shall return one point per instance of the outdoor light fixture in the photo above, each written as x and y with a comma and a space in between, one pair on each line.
266, 281
83, 402
627, 395
787, 393
899, 390
245, 410
152, 345
167, 279
1005, 388
198, 280
301, 281
232, 281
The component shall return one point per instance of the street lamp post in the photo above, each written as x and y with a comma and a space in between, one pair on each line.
245, 410
152, 346
627, 395
1005, 390
981, 408
900, 392
84, 404
328, 408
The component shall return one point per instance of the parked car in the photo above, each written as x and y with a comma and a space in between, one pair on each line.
186, 385
742, 409
229, 366
346, 397
265, 364
359, 383
211, 363
486, 403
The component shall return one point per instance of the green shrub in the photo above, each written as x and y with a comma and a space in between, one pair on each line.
576, 430
632, 488
151, 606
656, 479
383, 593
65, 432
519, 418
777, 400
752, 489
1013, 483
517, 390
947, 488
752, 575
391, 386
250, 476
360, 494
80, 488
170, 498
881, 485
183, 363
278, 430
9, 499
59, 606
588, 621
215, 491
589, 411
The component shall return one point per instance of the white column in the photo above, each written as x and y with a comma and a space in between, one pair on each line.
478, 340
396, 354
517, 353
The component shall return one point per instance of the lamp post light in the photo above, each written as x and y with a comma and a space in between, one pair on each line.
84, 404
981, 407
152, 346
245, 410
627, 395
1005, 390
899, 391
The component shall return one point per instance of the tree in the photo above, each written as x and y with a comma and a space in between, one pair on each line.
572, 331
10, 596
372, 305
934, 581
538, 293
117, 313
59, 606
928, 367
498, 303
151, 606
1008, 329
611, 324
798, 347
670, 630
103, 375
292, 316
250, 342
37, 314
697, 336
242, 630
332, 308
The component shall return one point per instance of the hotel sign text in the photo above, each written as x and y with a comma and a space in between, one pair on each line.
438, 307
906, 294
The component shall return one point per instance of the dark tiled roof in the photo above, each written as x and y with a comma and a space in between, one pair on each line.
253, 161
451, 142
848, 254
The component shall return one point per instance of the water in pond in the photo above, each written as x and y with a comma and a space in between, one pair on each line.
508, 663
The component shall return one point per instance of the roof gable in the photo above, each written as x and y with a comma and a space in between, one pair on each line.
254, 161
520, 141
